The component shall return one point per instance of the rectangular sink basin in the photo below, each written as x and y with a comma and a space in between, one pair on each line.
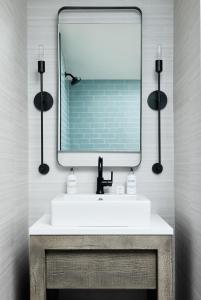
100, 210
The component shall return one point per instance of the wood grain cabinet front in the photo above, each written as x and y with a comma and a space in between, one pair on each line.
101, 269
101, 262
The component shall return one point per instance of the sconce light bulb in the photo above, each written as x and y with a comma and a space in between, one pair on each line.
159, 52
41, 53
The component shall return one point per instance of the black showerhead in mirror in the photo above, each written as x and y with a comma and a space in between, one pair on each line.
74, 80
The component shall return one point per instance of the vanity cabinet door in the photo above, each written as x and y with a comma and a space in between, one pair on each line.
101, 269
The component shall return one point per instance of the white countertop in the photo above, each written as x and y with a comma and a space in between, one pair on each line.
157, 227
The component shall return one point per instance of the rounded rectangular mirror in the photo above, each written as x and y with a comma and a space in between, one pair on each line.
100, 84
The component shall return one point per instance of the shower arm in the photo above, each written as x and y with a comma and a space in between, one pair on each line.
69, 74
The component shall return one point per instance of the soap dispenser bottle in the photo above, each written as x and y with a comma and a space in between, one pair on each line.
72, 182
131, 183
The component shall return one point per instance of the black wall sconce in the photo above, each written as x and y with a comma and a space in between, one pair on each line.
43, 101
157, 100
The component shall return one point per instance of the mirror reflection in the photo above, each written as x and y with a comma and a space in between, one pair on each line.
100, 81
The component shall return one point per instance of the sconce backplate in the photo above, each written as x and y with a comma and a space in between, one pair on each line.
153, 100
47, 101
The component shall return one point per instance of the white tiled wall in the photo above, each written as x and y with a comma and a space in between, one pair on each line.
13, 151
104, 115
157, 29
65, 131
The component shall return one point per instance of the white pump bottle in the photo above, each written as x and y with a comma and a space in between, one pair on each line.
131, 183
72, 182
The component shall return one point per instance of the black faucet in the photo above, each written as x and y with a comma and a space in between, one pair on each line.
101, 182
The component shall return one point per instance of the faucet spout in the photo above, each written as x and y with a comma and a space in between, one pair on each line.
101, 183
100, 167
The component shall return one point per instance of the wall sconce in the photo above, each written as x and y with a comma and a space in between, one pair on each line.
157, 100
43, 101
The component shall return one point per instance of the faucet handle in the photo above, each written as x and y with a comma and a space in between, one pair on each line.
111, 177
108, 182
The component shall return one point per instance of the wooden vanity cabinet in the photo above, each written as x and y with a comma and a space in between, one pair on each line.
101, 262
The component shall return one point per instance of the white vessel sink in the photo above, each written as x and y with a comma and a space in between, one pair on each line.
100, 210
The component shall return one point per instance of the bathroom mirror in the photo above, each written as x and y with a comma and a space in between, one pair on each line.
99, 85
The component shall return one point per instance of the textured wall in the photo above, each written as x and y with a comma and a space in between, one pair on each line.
157, 29
13, 150
187, 108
